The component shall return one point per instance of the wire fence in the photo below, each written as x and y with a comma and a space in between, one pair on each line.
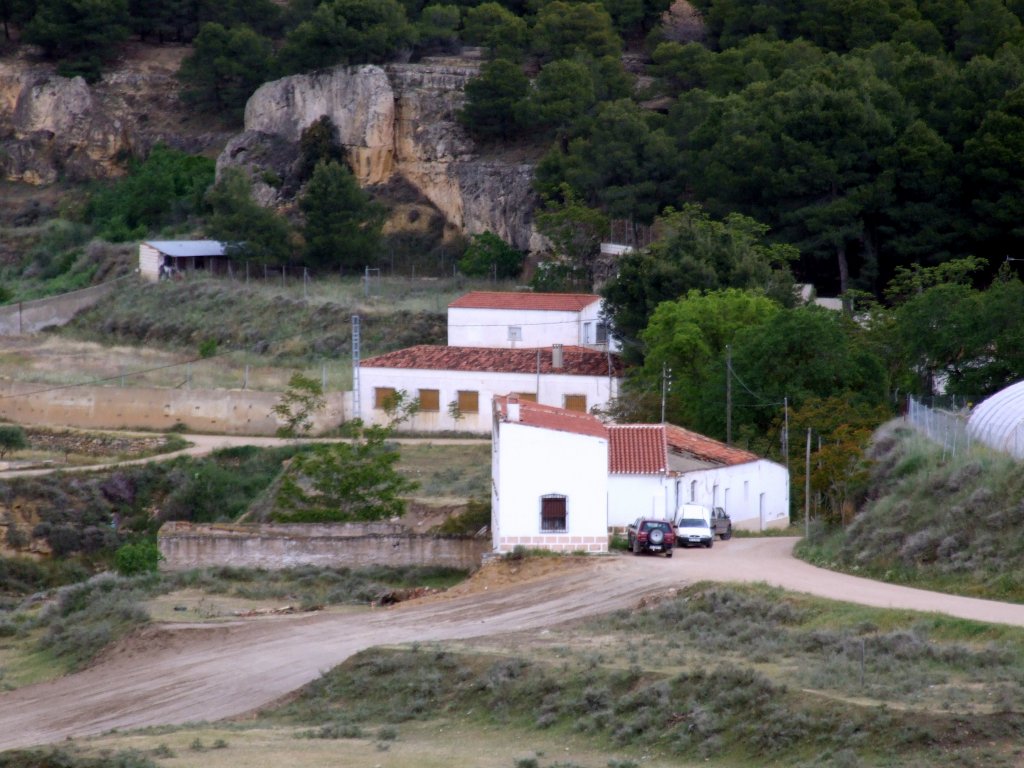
945, 427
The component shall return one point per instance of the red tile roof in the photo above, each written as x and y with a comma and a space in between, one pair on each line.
642, 449
549, 417
553, 302
576, 361
637, 449
705, 448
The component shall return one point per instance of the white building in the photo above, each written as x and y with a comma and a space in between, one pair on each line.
549, 488
656, 468
545, 458
515, 320
164, 257
455, 385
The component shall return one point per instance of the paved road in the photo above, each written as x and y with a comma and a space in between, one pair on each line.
171, 675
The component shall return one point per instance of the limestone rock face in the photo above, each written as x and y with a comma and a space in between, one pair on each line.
52, 126
396, 121
359, 101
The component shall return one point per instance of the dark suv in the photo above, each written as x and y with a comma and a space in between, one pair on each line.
646, 535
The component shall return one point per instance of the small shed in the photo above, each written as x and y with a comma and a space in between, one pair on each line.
166, 258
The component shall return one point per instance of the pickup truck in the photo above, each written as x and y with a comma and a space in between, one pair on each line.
721, 523
646, 535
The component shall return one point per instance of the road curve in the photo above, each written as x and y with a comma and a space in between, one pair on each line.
175, 674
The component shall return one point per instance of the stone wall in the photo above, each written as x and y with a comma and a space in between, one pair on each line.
33, 316
353, 545
227, 411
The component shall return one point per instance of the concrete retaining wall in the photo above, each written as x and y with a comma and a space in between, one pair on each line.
33, 316
353, 545
228, 411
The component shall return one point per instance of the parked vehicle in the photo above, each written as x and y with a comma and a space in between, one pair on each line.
721, 524
646, 535
694, 526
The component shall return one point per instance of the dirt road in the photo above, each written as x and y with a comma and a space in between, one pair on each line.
175, 674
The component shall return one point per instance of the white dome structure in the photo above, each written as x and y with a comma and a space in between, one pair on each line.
998, 421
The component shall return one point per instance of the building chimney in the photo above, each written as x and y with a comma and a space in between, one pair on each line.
556, 357
513, 408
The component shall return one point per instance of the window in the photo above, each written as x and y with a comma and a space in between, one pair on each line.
552, 513
383, 397
586, 333
602, 333
430, 400
469, 401
693, 490
576, 403
527, 397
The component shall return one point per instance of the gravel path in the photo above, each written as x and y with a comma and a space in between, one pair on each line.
172, 674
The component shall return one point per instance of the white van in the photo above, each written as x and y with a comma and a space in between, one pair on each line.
693, 526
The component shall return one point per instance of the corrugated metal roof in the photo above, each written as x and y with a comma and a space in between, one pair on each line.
577, 361
552, 302
549, 417
187, 248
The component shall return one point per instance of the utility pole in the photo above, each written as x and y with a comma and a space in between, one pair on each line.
785, 431
728, 394
356, 409
666, 387
807, 488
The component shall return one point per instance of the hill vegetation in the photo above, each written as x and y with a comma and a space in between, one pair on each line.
936, 521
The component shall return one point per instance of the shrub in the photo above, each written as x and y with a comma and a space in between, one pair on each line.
135, 558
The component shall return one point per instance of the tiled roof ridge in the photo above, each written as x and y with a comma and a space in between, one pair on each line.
525, 300
576, 360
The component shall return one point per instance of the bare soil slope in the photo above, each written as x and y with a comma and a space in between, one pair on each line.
172, 674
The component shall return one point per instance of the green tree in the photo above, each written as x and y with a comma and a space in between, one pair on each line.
12, 438
299, 405
496, 28
80, 33
344, 482
695, 252
224, 68
348, 32
250, 231
319, 143
137, 557
490, 256
342, 223
575, 232
495, 100
623, 165
563, 93
688, 336
564, 30
166, 187
437, 27
797, 354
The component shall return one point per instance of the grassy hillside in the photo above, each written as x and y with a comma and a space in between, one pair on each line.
287, 324
954, 524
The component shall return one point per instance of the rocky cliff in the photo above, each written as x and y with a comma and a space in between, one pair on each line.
54, 127
396, 122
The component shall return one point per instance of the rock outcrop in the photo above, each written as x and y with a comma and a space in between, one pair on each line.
394, 121
56, 127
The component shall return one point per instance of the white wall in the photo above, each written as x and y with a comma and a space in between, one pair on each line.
738, 490
633, 496
149, 262
553, 388
469, 327
528, 463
